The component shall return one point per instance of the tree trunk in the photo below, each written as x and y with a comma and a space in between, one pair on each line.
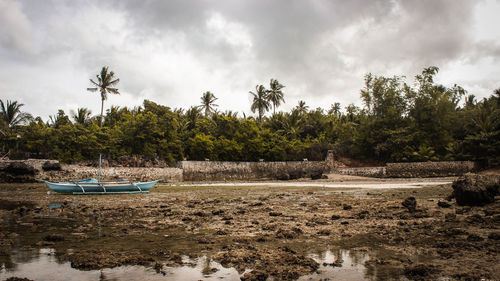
102, 108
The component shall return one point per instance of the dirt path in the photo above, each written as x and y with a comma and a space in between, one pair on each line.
262, 230
386, 184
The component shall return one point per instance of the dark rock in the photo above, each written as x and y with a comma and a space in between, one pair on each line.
363, 214
476, 218
419, 271
51, 165
320, 220
17, 279
335, 217
205, 241
474, 238
476, 190
200, 214
494, 236
410, 203
275, 214
53, 238
217, 212
444, 204
316, 175
283, 176
347, 207
286, 234
221, 232
158, 267
324, 232
17, 171
93, 259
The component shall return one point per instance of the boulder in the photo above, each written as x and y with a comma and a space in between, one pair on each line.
51, 165
25, 170
17, 171
476, 190
410, 203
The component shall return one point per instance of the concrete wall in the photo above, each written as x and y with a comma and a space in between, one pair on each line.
226, 171
411, 170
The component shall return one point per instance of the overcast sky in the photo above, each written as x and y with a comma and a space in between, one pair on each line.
172, 51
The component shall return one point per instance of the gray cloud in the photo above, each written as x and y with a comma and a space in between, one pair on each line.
172, 51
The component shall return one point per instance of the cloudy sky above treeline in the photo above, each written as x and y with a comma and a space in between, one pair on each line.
172, 51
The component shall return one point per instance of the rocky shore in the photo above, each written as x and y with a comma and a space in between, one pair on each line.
262, 232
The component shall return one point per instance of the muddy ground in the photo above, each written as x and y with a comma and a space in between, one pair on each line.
267, 233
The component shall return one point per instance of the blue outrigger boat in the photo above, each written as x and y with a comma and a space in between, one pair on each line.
94, 186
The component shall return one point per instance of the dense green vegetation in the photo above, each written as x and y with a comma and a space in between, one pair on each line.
399, 121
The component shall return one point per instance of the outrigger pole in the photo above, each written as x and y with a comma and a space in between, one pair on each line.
99, 176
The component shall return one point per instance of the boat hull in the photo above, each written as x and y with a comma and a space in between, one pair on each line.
92, 186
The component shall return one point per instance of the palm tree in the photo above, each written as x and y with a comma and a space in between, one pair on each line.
302, 107
105, 82
11, 113
497, 94
81, 116
260, 101
275, 95
207, 102
335, 109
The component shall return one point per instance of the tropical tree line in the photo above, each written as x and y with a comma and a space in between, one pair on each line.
399, 121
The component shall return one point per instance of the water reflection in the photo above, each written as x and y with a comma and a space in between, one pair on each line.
339, 265
43, 265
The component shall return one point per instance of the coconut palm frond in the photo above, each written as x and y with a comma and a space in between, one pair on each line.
105, 81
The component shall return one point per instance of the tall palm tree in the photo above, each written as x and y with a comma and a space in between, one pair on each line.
207, 102
105, 82
260, 101
12, 115
335, 109
302, 107
275, 95
497, 93
81, 116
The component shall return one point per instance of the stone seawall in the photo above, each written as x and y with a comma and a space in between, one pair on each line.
29, 170
32, 169
72, 172
226, 171
374, 172
412, 170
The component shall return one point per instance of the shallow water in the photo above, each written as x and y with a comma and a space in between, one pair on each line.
43, 265
352, 267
